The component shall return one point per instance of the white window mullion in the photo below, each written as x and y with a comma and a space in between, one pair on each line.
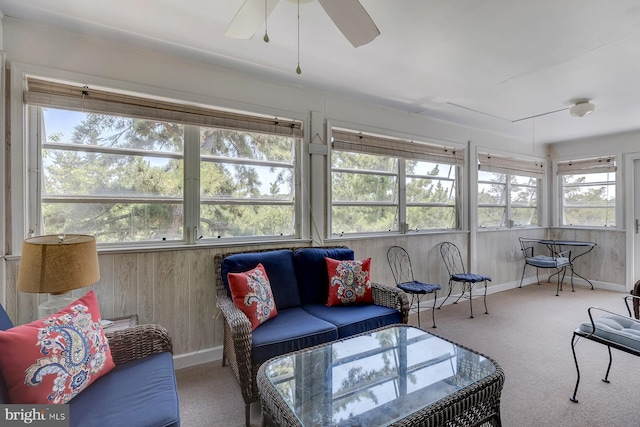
508, 202
191, 183
402, 196
36, 133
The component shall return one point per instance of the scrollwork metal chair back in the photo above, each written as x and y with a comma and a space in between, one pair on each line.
458, 274
400, 264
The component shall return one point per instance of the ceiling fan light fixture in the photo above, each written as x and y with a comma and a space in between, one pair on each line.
582, 109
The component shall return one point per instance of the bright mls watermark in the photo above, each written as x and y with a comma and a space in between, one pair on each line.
34, 415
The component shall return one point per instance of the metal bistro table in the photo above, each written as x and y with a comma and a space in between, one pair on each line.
398, 375
556, 247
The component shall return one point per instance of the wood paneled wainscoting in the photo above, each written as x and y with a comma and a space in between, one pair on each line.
175, 286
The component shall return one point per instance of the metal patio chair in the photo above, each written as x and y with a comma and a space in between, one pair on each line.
457, 274
400, 265
558, 261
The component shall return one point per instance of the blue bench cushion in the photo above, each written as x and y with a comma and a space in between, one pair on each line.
354, 319
292, 329
619, 329
130, 395
278, 264
311, 271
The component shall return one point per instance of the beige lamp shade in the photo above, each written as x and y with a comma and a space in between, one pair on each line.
57, 264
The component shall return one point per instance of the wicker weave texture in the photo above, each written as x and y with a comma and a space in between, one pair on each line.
237, 328
138, 342
475, 405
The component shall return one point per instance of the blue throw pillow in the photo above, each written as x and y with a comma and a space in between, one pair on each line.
311, 271
278, 264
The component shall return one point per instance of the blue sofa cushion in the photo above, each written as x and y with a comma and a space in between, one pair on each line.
311, 271
354, 319
130, 395
278, 264
5, 323
291, 330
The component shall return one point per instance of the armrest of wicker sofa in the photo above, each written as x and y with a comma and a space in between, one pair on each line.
238, 323
392, 297
138, 342
239, 339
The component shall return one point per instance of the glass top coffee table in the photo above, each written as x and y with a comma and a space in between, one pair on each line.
397, 375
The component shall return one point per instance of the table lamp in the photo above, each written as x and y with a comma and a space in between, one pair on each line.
56, 265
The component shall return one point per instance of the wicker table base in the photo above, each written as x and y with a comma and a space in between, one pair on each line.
398, 375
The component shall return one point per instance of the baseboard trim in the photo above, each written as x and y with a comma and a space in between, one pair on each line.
197, 357
479, 291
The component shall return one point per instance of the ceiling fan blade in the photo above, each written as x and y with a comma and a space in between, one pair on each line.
249, 18
352, 20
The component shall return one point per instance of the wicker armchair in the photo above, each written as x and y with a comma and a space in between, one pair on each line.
238, 333
140, 390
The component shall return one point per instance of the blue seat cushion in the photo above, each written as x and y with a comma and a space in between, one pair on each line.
138, 393
544, 261
469, 277
311, 271
278, 264
416, 287
354, 319
619, 329
292, 329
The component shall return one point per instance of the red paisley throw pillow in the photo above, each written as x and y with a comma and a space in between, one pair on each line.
51, 360
349, 282
251, 292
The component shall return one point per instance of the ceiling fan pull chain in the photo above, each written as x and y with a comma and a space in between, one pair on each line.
298, 69
266, 15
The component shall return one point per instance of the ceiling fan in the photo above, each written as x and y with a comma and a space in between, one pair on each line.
348, 15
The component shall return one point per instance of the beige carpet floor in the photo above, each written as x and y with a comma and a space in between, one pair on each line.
528, 332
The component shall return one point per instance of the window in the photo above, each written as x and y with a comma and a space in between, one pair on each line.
431, 195
364, 193
387, 185
508, 191
588, 192
114, 177
111, 165
246, 184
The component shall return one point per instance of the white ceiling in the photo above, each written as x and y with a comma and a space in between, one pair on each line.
482, 63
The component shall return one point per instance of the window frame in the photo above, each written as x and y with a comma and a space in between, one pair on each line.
191, 176
511, 166
586, 166
40, 144
403, 152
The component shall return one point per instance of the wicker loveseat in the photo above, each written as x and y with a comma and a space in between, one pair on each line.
140, 391
299, 282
